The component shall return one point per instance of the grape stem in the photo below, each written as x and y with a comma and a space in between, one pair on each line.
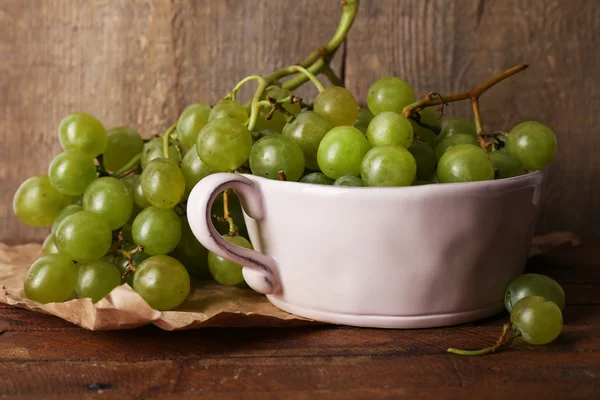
166, 136
508, 335
277, 105
282, 176
233, 229
231, 95
131, 267
434, 99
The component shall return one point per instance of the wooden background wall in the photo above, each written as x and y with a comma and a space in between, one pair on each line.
140, 62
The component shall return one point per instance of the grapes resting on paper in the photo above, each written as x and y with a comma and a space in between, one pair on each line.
51, 278
111, 199
162, 281
157, 229
83, 236
96, 279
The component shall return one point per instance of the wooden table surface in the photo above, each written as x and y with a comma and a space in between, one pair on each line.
44, 357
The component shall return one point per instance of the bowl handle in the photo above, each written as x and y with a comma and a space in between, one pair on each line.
260, 271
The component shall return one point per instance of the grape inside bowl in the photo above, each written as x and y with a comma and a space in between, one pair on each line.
403, 257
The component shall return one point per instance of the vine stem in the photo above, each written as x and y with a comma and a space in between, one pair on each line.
165, 138
231, 95
233, 229
508, 335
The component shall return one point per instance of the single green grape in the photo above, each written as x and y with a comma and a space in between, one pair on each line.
278, 121
363, 119
465, 163
534, 285
194, 170
224, 144
338, 105
317, 178
65, 212
539, 321
308, 129
390, 128
425, 158
154, 149
533, 144
82, 132
49, 245
341, 152
96, 279
83, 236
505, 165
456, 126
389, 94
191, 253
163, 183
51, 279
275, 153
71, 172
388, 166
224, 271
235, 210
71, 200
162, 281
452, 141
37, 202
228, 109
134, 183
191, 121
110, 198
348, 180
121, 262
157, 229
123, 144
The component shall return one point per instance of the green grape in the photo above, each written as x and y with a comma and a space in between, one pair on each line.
456, 126
191, 121
276, 153
363, 119
71, 200
235, 210
348, 180
465, 163
317, 178
341, 152
123, 144
96, 279
534, 285
424, 134
154, 149
228, 109
390, 128
278, 121
157, 229
49, 245
452, 141
71, 172
111, 199
308, 129
121, 262
539, 321
337, 105
37, 202
162, 281
82, 132
51, 279
532, 143
224, 271
389, 94
425, 158
163, 183
422, 131
83, 236
194, 170
388, 166
224, 144
65, 212
191, 253
505, 165
135, 184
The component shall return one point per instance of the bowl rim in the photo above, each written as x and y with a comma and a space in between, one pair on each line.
529, 179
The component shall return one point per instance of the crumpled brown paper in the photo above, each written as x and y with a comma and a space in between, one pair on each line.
208, 304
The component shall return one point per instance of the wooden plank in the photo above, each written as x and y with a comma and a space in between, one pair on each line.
18, 319
581, 334
451, 46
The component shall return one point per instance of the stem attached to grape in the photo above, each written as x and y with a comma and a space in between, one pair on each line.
127, 168
131, 267
233, 229
508, 335
166, 136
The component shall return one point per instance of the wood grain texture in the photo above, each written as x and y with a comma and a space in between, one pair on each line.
140, 62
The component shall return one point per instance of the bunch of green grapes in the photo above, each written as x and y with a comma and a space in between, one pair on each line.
535, 303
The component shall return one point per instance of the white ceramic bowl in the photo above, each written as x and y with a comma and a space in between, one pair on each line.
408, 257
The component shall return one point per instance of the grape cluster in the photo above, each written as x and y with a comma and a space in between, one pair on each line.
535, 304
